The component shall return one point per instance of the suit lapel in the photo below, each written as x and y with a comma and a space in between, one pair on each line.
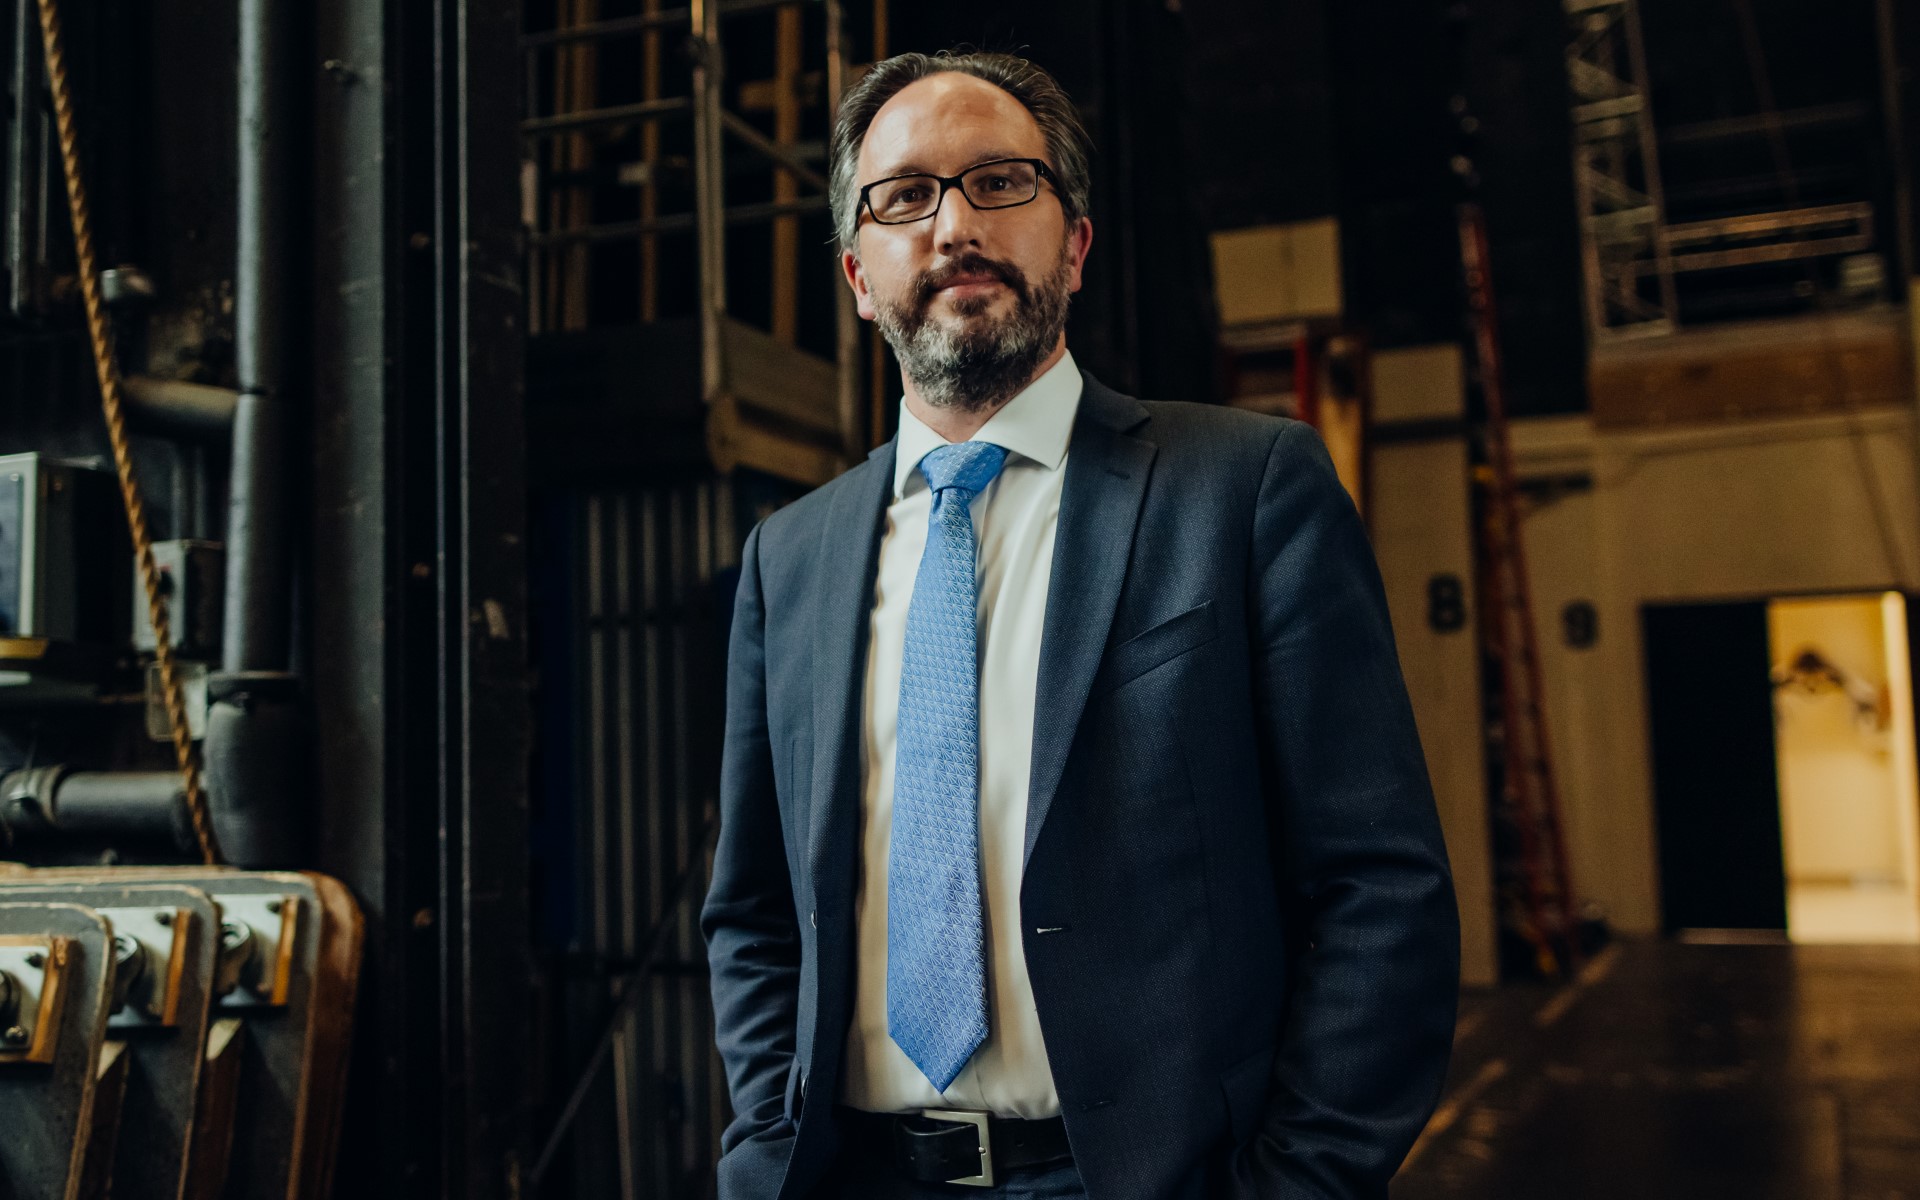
1100, 499
1107, 472
849, 559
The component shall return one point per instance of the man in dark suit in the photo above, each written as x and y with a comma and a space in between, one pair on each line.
1075, 835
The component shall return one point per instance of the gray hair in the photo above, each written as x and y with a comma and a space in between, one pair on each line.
1067, 144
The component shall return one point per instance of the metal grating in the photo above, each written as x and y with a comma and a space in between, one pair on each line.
650, 602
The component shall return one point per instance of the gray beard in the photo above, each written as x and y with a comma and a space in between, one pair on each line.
974, 365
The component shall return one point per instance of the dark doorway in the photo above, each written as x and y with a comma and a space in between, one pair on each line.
1710, 706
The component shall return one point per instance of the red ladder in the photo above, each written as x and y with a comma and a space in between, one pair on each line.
1537, 896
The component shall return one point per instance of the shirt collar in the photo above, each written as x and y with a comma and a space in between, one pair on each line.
1036, 425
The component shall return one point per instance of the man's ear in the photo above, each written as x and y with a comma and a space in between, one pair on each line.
1082, 241
857, 280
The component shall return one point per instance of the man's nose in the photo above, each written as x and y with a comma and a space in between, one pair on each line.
956, 227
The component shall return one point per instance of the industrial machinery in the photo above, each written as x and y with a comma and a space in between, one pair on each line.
173, 1031
170, 1026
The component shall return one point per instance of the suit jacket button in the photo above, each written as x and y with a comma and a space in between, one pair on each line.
810, 919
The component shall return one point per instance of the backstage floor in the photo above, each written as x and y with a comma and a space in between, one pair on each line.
1690, 1072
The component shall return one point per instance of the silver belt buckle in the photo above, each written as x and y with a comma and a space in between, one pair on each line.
978, 1120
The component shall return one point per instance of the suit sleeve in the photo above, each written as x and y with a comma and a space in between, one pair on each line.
1373, 931
753, 938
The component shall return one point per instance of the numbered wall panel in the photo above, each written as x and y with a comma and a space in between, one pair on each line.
1421, 522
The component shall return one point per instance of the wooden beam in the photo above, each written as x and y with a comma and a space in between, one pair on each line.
650, 156
574, 86
786, 131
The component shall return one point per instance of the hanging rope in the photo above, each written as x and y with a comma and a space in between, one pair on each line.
106, 368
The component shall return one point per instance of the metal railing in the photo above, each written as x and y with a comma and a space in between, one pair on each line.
562, 139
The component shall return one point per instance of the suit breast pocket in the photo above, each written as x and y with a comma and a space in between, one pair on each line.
1156, 646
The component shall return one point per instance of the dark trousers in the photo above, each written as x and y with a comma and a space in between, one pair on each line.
864, 1171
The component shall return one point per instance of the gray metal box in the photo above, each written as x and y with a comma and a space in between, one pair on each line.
63, 540
193, 579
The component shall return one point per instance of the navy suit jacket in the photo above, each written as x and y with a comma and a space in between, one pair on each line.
1236, 908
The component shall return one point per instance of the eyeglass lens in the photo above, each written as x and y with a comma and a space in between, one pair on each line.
989, 185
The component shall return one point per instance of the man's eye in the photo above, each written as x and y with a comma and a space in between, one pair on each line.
903, 199
997, 183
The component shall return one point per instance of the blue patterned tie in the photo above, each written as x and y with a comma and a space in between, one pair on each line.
936, 951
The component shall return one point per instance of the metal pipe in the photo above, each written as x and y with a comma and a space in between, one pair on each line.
258, 615
255, 744
54, 801
174, 406
26, 169
140, 804
256, 751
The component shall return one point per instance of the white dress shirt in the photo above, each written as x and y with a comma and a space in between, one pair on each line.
1014, 521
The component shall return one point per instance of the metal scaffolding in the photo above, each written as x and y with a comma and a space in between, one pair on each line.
1625, 250
1738, 232
771, 405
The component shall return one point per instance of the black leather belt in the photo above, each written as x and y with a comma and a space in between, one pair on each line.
950, 1146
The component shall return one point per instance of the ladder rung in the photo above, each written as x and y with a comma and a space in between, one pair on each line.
615, 115
1614, 106
613, 27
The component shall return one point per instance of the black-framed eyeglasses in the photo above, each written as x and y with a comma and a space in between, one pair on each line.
1002, 183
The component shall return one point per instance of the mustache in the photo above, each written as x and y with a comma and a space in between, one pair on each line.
932, 281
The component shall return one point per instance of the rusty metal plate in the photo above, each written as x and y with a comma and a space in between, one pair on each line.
163, 1023
47, 1108
274, 998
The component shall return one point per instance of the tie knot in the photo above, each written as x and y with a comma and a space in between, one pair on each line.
969, 466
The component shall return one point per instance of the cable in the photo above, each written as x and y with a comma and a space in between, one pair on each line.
108, 371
